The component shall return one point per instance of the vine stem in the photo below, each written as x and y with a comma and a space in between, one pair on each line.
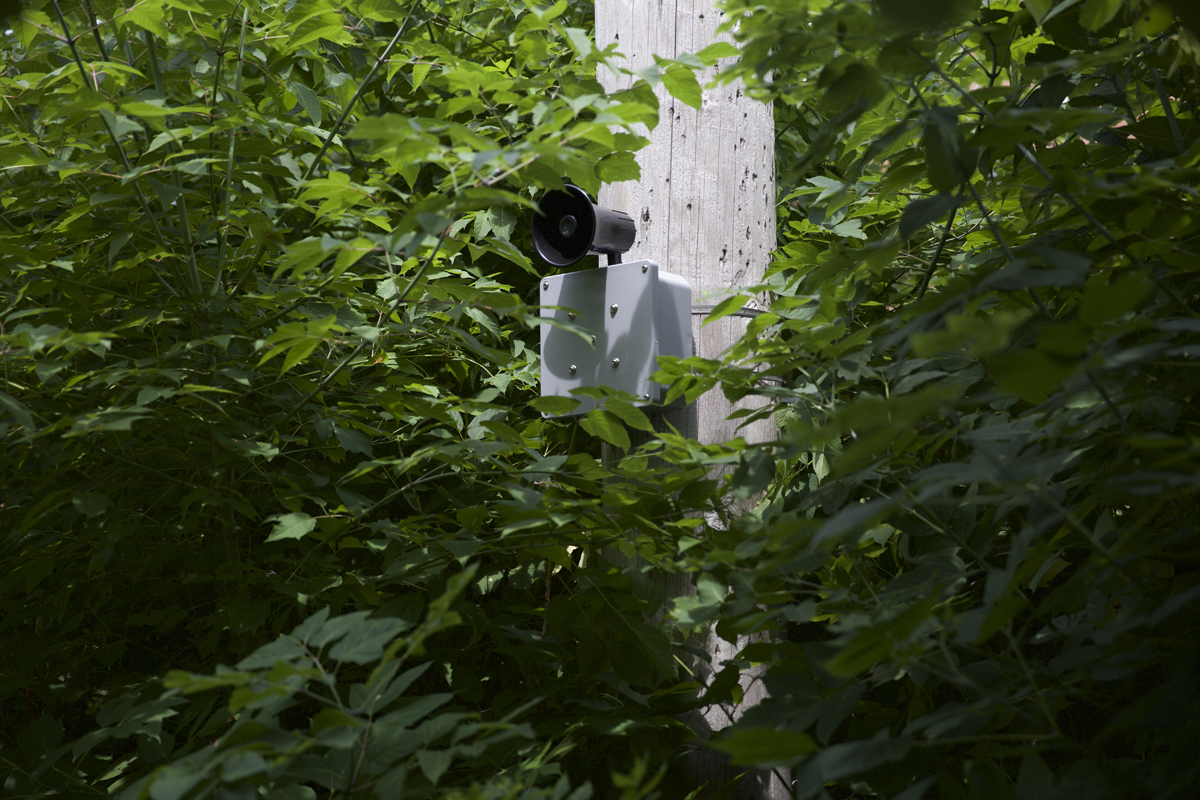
158, 234
181, 209
333, 131
353, 354
1099, 226
227, 194
1173, 123
937, 253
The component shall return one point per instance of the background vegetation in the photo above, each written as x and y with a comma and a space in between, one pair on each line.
280, 515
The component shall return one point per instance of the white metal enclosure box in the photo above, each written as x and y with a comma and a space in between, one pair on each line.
630, 314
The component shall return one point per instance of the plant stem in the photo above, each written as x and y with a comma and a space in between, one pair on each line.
420, 273
227, 191
333, 131
937, 254
158, 234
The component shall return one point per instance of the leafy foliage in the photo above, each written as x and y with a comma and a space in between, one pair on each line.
269, 402
267, 350
981, 534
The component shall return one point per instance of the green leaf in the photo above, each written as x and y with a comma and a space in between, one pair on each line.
923, 211
618, 167
1029, 374
849, 758
755, 470
656, 646
607, 426
925, 14
764, 747
353, 440
682, 84
943, 145
19, 412
724, 308
91, 504
1095, 14
630, 414
173, 782
366, 641
580, 42
434, 763
308, 99
1107, 297
554, 406
291, 526
875, 643
717, 50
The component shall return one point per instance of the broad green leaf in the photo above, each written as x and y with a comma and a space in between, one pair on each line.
943, 146
1108, 297
877, 642
28, 24
434, 763
682, 84
924, 211
291, 526
308, 99
630, 414
1095, 14
366, 641
755, 470
90, 504
848, 758
172, 782
927, 14
717, 50
764, 747
1153, 20
554, 406
580, 42
1029, 374
18, 411
617, 167
724, 308
607, 426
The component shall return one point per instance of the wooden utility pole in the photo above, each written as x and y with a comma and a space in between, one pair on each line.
705, 209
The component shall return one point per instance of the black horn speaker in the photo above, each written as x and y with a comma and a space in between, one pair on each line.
569, 226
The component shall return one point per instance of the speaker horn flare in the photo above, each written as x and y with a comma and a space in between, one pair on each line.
569, 226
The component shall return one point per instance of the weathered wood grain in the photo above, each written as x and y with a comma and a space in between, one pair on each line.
705, 209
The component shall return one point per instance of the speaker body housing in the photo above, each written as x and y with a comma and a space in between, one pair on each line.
570, 226
613, 324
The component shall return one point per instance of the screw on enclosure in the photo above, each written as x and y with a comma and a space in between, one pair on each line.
646, 396
545, 284
593, 338
573, 368
616, 362
644, 268
571, 315
613, 309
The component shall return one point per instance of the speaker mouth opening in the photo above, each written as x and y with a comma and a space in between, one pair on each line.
564, 227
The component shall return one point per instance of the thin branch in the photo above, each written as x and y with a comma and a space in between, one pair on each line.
420, 273
1061, 191
223, 237
333, 131
185, 223
120, 151
937, 254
